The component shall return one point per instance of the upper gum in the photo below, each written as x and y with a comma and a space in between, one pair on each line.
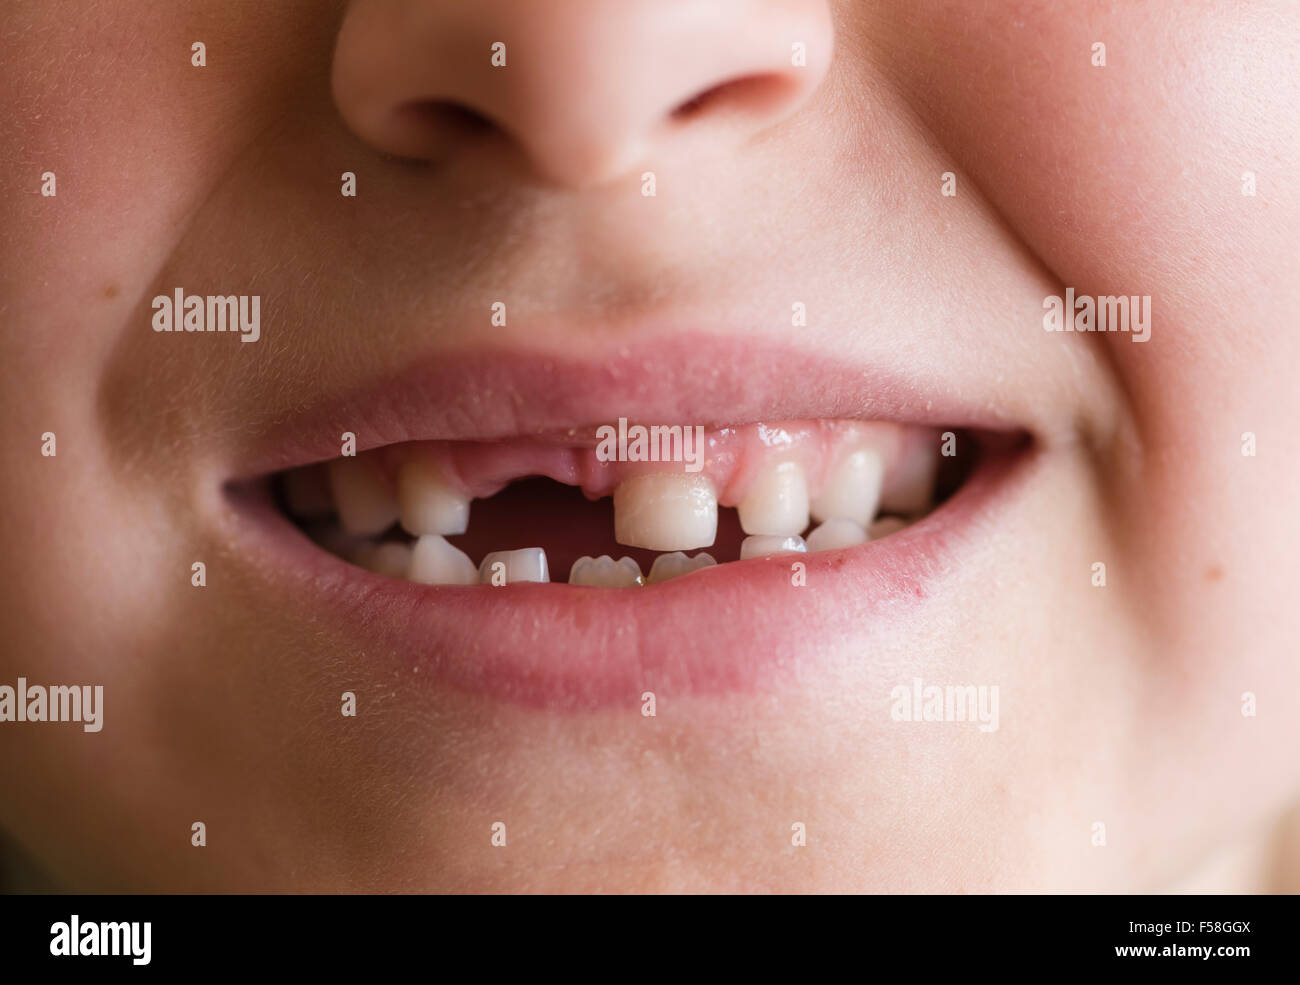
734, 457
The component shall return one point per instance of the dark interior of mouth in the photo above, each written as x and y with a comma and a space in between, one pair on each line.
534, 511
539, 512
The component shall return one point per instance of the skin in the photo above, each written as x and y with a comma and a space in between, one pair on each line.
1119, 704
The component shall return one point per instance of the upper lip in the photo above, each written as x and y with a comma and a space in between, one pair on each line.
710, 380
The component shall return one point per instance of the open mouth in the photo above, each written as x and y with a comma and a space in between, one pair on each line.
499, 532
624, 506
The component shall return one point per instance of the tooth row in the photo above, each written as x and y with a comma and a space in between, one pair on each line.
434, 561
657, 511
667, 512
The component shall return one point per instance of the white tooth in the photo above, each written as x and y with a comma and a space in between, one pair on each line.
427, 503
777, 502
763, 545
307, 492
664, 511
676, 564
909, 487
526, 564
852, 488
364, 503
391, 558
436, 562
605, 572
885, 526
836, 534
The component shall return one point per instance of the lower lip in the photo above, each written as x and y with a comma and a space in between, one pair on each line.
746, 626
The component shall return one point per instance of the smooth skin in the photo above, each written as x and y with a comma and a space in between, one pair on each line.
1121, 705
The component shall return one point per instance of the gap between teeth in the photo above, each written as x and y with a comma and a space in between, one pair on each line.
660, 511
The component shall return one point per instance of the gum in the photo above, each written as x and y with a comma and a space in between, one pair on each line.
733, 457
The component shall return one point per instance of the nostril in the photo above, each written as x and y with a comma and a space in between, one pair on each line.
443, 117
429, 127
750, 95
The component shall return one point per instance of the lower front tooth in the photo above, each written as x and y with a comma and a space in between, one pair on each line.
436, 562
605, 572
836, 534
763, 545
364, 504
507, 567
390, 558
665, 511
676, 564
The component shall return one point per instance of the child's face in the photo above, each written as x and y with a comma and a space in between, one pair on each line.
798, 259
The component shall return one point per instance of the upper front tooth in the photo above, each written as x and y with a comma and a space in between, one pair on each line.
605, 572
436, 562
852, 488
777, 502
507, 567
665, 511
676, 564
836, 534
763, 545
427, 503
364, 503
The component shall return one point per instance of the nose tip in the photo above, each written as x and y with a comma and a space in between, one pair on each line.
582, 92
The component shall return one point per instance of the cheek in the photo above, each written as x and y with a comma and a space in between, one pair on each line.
1128, 178
135, 135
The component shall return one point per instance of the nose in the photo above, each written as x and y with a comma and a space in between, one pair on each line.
581, 91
